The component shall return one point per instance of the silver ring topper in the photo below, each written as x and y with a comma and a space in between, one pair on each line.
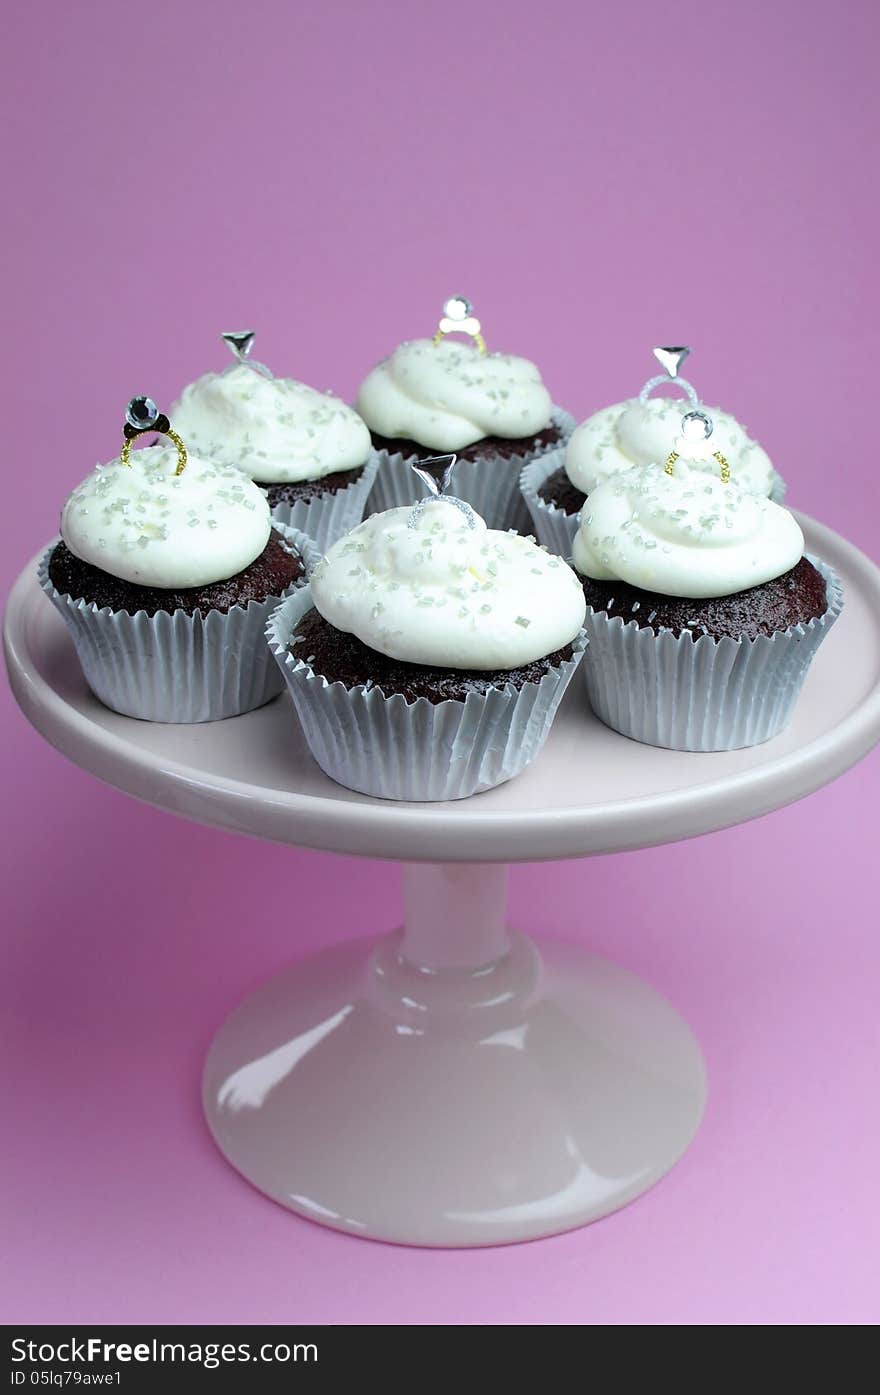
438, 488
670, 357
241, 341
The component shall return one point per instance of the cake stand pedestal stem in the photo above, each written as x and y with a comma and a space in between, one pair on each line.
455, 914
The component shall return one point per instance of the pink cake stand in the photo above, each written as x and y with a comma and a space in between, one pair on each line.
453, 1084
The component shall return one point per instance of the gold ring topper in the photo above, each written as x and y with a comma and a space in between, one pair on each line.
696, 425
458, 318
142, 417
696, 428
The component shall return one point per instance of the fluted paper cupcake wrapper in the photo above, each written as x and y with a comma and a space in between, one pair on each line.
701, 694
553, 526
328, 517
489, 485
177, 667
420, 750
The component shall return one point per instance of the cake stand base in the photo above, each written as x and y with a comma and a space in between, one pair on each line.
450, 1084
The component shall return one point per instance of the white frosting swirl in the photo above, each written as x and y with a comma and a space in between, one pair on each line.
143, 523
685, 534
447, 396
275, 429
445, 594
643, 433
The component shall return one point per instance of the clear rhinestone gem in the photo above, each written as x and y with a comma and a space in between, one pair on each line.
457, 307
671, 357
696, 426
141, 413
240, 341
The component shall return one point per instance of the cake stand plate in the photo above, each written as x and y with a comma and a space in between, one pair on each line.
452, 1084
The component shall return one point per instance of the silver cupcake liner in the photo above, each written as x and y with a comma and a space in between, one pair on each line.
490, 485
553, 526
177, 667
328, 517
421, 751
701, 694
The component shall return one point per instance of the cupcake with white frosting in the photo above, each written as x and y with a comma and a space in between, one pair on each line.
703, 614
167, 570
431, 396
308, 450
428, 655
639, 431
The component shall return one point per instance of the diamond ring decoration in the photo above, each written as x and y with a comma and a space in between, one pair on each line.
241, 341
436, 473
670, 357
142, 417
693, 444
458, 318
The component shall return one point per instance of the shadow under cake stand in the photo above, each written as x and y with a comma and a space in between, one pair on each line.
452, 1083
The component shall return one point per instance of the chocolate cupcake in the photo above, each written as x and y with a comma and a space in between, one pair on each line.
429, 654
439, 395
308, 450
167, 570
703, 614
639, 431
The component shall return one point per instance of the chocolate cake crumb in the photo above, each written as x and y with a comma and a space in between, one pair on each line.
794, 598
289, 491
270, 574
558, 489
343, 658
480, 450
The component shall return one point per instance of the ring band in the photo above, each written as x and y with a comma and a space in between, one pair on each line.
162, 427
457, 329
716, 455
663, 380
458, 318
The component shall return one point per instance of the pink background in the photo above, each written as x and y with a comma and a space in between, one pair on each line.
599, 178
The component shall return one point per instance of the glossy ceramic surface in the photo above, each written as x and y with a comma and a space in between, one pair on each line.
429, 1102
452, 1085
590, 791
